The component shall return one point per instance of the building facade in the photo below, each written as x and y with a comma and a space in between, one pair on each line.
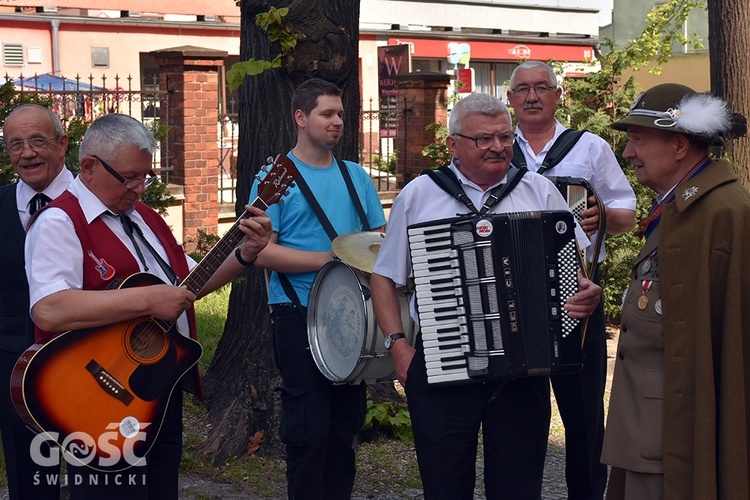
689, 66
114, 37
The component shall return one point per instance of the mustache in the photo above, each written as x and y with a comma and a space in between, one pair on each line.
533, 105
491, 155
28, 163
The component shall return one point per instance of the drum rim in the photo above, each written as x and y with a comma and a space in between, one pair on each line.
312, 329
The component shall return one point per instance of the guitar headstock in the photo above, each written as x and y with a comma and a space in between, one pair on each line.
279, 177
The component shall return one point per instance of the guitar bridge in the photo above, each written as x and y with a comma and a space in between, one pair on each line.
109, 383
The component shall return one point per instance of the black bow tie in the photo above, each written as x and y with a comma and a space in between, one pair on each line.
38, 201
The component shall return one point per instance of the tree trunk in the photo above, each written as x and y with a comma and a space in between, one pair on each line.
241, 380
729, 37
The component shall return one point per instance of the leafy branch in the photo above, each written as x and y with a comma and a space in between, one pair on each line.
596, 100
272, 22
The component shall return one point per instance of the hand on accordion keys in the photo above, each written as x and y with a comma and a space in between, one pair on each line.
583, 303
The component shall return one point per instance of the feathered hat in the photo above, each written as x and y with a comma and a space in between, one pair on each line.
676, 108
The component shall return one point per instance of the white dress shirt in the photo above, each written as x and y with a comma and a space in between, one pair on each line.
24, 193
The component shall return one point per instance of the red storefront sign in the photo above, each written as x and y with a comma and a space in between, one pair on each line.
502, 51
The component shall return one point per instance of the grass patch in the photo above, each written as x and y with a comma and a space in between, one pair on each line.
210, 316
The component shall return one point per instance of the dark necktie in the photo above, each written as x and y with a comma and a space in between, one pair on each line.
127, 224
38, 201
132, 228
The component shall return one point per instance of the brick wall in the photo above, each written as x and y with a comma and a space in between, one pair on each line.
426, 96
191, 75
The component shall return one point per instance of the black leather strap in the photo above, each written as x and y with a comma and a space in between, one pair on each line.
354, 196
447, 180
562, 146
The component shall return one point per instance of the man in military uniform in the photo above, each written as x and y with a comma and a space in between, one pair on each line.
677, 424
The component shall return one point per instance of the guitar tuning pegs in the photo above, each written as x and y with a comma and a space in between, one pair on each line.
257, 177
269, 159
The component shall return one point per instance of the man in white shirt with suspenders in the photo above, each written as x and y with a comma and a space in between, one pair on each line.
534, 96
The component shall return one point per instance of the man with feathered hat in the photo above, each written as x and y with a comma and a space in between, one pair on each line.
677, 425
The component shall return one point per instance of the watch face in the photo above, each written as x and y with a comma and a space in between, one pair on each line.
388, 342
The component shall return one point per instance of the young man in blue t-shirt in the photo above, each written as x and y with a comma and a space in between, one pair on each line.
319, 419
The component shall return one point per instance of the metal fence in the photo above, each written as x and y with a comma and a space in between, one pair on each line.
85, 99
377, 151
88, 98
228, 136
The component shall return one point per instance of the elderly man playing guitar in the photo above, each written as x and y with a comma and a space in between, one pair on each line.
82, 253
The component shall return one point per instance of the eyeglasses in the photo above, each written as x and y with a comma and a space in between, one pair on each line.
37, 144
128, 183
487, 141
541, 89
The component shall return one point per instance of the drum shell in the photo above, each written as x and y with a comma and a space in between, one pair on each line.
345, 340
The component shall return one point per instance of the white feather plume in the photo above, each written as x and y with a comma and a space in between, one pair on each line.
703, 114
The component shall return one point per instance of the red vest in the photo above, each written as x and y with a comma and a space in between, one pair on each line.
107, 261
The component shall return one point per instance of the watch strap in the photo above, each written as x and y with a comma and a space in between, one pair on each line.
390, 339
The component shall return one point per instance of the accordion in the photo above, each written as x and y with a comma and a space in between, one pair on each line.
489, 295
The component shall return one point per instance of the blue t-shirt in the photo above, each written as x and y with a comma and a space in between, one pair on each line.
298, 227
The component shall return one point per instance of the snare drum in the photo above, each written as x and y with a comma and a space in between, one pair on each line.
345, 340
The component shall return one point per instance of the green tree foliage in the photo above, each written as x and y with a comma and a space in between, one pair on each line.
272, 22
596, 100
437, 152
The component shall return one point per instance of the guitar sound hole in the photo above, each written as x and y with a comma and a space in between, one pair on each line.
147, 341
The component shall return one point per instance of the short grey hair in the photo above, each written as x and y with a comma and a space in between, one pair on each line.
57, 126
532, 65
484, 104
113, 131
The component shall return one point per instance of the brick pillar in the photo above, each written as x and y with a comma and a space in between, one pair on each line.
425, 99
191, 76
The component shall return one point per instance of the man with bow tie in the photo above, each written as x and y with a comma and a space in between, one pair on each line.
36, 144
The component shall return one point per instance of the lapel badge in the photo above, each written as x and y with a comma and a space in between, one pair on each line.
689, 192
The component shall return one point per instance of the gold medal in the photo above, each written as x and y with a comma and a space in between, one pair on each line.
642, 302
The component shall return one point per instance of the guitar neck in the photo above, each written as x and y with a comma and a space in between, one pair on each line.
202, 273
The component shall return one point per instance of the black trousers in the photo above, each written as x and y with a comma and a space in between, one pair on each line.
580, 399
26, 478
319, 420
514, 418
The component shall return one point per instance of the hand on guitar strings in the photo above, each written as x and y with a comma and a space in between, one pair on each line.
167, 302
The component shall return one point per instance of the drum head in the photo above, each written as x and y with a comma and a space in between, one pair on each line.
336, 320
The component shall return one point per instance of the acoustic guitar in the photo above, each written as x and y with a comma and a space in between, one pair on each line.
101, 393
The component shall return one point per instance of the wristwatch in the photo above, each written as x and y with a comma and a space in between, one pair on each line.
390, 339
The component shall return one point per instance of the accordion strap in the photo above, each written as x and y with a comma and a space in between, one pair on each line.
559, 150
448, 182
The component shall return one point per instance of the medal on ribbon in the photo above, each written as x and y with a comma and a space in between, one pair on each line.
643, 299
